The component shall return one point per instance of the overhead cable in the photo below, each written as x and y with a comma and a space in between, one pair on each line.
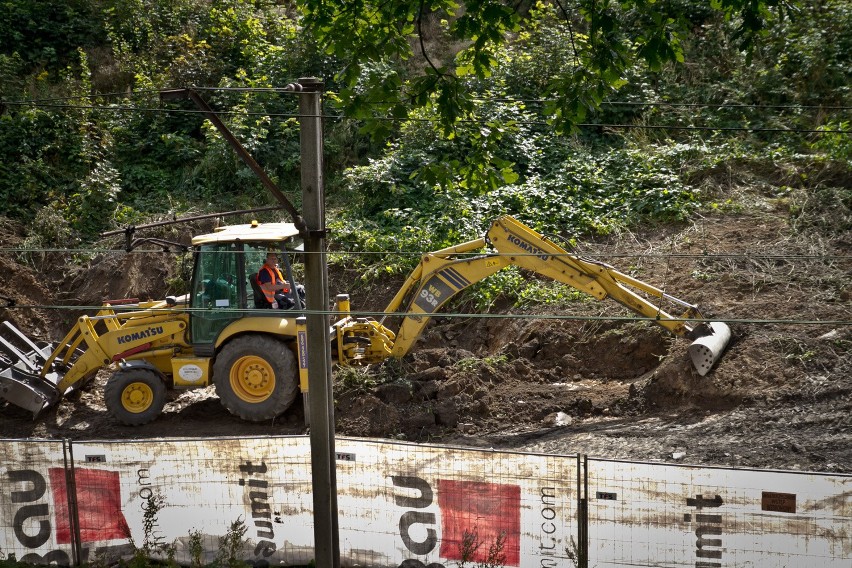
462, 121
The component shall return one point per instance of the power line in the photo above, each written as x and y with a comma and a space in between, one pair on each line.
123, 94
171, 110
686, 105
283, 90
387, 253
456, 315
433, 121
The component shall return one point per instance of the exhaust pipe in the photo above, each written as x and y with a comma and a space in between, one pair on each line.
709, 346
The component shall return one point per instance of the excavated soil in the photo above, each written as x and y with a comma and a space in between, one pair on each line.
577, 378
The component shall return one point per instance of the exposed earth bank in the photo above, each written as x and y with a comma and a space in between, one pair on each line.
577, 378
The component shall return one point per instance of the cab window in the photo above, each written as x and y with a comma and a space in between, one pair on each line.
215, 284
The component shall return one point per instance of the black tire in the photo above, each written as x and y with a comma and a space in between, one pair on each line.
135, 397
255, 377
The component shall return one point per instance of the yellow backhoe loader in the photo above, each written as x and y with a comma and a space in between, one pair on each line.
222, 333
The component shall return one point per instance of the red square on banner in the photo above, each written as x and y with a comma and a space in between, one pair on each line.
487, 509
98, 505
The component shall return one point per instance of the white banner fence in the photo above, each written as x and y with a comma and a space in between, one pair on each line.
416, 506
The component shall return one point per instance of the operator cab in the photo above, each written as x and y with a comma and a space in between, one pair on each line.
224, 281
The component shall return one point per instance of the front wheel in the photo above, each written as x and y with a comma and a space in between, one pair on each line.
255, 377
135, 397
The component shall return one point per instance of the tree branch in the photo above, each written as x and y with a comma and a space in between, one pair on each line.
570, 32
422, 45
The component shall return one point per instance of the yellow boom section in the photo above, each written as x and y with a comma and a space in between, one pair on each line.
442, 274
110, 336
532, 251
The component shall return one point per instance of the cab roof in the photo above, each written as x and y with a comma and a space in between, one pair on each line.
267, 232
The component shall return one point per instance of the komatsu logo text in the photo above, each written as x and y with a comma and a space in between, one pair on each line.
517, 241
143, 334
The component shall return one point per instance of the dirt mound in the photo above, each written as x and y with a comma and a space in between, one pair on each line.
22, 284
582, 377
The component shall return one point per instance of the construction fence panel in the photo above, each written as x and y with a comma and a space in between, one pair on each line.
34, 496
409, 505
662, 515
433, 505
203, 492
398, 503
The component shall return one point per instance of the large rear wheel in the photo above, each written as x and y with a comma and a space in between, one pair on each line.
255, 377
135, 397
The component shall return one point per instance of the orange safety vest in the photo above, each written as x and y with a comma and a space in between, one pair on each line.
273, 274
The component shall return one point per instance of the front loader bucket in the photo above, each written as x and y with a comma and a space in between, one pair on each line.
23, 380
707, 348
27, 391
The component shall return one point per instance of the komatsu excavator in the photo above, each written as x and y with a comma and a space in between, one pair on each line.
221, 334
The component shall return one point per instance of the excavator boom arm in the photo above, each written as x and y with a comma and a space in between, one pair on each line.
444, 279
532, 251
417, 274
442, 274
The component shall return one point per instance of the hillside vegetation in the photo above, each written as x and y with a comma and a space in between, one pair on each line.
88, 146
704, 147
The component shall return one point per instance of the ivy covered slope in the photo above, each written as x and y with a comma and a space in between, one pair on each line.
578, 116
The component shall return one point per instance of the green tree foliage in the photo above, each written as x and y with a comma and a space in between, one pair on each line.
40, 160
606, 38
451, 111
506, 158
210, 43
106, 159
46, 34
573, 54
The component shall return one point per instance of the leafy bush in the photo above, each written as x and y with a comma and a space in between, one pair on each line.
49, 230
835, 142
46, 34
41, 162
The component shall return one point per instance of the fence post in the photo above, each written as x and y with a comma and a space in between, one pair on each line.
582, 511
73, 508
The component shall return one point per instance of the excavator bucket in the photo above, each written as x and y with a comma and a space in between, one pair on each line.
21, 364
710, 340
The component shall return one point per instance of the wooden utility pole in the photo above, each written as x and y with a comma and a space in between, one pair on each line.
320, 400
